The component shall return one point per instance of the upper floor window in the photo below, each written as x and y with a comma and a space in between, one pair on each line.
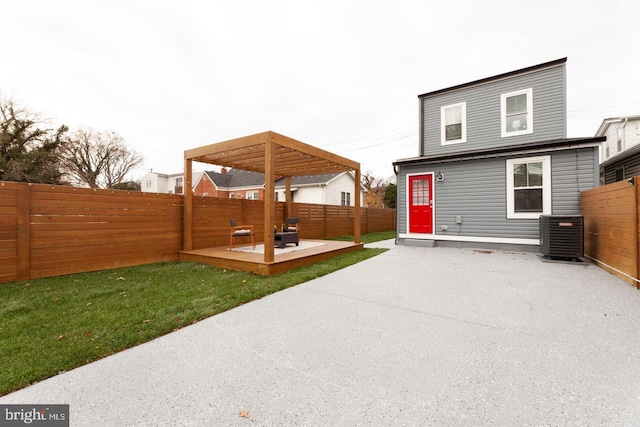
516, 109
253, 195
619, 139
528, 187
453, 119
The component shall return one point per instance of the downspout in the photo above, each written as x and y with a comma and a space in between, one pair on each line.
624, 125
395, 172
421, 128
633, 182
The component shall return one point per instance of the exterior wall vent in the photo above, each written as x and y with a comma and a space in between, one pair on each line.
562, 236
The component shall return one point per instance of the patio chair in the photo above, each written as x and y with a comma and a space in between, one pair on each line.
291, 225
241, 231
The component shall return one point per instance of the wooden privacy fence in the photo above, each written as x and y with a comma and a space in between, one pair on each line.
611, 228
55, 230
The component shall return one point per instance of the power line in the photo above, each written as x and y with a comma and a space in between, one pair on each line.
412, 134
604, 107
379, 135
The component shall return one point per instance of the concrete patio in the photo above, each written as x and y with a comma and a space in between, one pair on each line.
415, 336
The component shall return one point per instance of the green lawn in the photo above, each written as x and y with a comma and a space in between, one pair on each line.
51, 325
370, 237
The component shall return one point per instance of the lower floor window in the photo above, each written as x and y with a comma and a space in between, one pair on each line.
345, 198
528, 187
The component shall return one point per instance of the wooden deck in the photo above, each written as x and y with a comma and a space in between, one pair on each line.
254, 262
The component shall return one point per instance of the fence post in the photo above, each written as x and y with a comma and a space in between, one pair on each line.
324, 221
244, 217
366, 221
23, 270
636, 181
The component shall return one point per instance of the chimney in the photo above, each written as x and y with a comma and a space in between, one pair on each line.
223, 170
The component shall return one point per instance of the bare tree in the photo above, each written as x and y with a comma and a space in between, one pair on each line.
98, 159
375, 188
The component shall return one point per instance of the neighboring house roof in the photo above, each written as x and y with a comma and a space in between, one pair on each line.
235, 178
498, 77
501, 151
602, 130
313, 180
621, 156
324, 178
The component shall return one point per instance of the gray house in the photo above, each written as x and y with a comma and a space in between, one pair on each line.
493, 157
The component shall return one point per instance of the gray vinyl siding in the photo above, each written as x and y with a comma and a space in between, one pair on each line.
572, 171
630, 166
401, 197
476, 190
483, 112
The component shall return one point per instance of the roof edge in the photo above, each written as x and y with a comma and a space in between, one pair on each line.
620, 157
567, 142
549, 64
611, 120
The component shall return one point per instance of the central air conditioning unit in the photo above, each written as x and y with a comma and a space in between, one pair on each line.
562, 236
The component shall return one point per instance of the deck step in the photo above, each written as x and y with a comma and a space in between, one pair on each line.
419, 243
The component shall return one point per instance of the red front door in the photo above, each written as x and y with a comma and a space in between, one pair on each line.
421, 204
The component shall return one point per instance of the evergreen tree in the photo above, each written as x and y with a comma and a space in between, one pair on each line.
28, 152
390, 196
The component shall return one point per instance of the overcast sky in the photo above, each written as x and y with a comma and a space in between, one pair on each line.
340, 75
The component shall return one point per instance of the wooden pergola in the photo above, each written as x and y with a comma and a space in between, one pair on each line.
273, 155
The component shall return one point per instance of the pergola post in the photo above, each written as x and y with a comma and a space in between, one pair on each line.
269, 202
187, 241
356, 214
287, 196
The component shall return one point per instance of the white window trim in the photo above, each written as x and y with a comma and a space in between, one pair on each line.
546, 188
503, 113
443, 133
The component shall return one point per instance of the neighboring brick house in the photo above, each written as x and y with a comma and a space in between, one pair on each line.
231, 183
494, 157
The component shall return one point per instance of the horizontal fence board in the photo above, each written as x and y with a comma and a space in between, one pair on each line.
8, 213
104, 264
64, 221
44, 259
98, 233
135, 242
